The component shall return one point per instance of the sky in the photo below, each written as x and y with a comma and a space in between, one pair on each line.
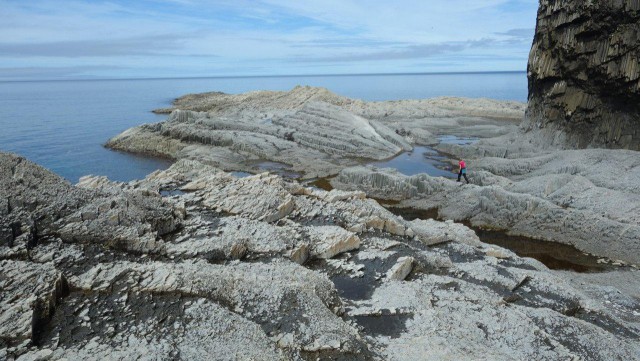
70, 39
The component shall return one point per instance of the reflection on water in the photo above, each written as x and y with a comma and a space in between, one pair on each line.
554, 255
239, 174
321, 183
452, 139
419, 160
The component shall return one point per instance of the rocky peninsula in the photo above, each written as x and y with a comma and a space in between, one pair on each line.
199, 261
313, 131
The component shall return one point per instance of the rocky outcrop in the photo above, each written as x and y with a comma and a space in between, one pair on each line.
584, 75
40, 204
401, 269
543, 197
336, 276
310, 131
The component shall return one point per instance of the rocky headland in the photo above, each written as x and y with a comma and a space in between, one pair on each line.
551, 194
311, 130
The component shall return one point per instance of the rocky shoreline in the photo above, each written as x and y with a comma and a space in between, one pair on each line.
264, 268
549, 194
194, 262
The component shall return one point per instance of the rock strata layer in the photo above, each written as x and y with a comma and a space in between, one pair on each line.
584, 74
316, 275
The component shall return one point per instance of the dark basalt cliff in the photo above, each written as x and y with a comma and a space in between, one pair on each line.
584, 74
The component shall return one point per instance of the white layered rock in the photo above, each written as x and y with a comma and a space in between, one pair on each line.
401, 269
239, 197
29, 294
256, 291
235, 284
433, 232
98, 211
329, 241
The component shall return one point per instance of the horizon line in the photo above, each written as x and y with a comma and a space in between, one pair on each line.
268, 76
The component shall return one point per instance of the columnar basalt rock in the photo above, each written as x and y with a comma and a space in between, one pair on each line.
584, 74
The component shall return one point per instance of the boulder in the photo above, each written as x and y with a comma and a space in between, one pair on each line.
401, 269
329, 241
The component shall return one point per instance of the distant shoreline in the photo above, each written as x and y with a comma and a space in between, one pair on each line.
266, 76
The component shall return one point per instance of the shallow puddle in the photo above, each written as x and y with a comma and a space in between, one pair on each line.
239, 174
321, 183
383, 325
554, 255
410, 214
452, 139
419, 160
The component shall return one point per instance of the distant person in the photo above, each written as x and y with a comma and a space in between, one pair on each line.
462, 171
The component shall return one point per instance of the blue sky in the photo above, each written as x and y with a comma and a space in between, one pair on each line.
68, 39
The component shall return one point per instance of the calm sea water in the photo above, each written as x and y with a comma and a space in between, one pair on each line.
62, 125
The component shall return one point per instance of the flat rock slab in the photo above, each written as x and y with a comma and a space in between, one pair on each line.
239, 197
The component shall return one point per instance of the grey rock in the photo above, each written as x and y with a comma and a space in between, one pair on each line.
259, 292
329, 241
401, 269
231, 285
30, 294
44, 205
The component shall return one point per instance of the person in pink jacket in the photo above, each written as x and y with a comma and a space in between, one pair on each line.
462, 171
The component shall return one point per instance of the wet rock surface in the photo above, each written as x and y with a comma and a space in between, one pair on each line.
584, 75
316, 275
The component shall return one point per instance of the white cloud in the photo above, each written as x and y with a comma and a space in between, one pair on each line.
229, 37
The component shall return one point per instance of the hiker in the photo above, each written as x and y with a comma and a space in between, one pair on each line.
462, 171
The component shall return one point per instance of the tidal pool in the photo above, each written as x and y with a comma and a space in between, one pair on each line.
420, 160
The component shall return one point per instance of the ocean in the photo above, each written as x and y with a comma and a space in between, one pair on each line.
62, 125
